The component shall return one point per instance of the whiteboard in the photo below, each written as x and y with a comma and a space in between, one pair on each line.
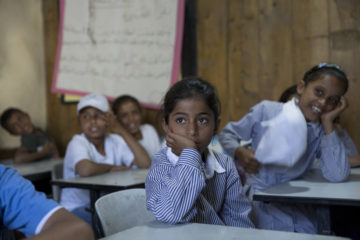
116, 47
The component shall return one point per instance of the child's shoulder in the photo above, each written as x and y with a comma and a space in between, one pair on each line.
78, 139
147, 126
267, 109
267, 104
148, 129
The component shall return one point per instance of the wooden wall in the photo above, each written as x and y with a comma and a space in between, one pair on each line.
254, 49
250, 50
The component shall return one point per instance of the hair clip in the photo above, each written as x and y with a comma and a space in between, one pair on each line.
330, 65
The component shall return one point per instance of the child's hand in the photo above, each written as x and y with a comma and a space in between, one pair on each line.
114, 125
247, 159
48, 147
177, 143
328, 119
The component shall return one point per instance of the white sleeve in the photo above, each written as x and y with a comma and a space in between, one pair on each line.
45, 219
123, 154
152, 140
77, 149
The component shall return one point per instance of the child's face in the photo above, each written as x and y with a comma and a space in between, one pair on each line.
319, 96
20, 124
129, 115
193, 119
93, 123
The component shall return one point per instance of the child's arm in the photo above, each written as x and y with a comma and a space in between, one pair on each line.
230, 138
172, 190
350, 147
87, 168
64, 225
237, 208
141, 157
333, 159
22, 155
234, 132
328, 119
247, 159
334, 162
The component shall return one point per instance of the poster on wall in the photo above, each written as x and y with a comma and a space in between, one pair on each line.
116, 47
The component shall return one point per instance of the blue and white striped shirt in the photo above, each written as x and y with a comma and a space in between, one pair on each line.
180, 193
329, 149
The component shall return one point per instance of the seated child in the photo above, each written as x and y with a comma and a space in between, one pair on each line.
188, 182
35, 143
320, 100
30, 212
94, 152
128, 112
352, 152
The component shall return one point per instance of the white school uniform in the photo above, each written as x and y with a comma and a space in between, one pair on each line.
117, 153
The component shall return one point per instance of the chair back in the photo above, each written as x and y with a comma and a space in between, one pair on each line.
122, 210
56, 173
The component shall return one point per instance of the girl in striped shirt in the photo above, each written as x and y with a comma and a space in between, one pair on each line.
187, 181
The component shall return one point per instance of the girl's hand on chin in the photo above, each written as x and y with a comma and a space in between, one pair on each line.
328, 118
177, 143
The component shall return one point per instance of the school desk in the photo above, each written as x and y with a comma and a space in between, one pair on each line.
195, 231
33, 171
315, 189
108, 182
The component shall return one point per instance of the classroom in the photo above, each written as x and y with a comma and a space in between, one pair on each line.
248, 51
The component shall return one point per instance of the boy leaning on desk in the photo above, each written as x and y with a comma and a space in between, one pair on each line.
35, 143
95, 152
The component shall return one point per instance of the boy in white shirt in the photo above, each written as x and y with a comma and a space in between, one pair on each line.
94, 152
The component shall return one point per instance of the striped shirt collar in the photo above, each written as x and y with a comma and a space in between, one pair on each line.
211, 166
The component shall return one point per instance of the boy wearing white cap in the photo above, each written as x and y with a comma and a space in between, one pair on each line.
94, 152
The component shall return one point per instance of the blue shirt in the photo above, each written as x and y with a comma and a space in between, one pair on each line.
22, 208
329, 149
178, 193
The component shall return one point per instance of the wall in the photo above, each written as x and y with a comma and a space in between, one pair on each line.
62, 119
22, 80
250, 50
253, 50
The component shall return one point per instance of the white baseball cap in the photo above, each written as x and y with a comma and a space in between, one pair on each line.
94, 100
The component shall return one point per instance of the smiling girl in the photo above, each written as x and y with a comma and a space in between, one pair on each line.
320, 100
139, 137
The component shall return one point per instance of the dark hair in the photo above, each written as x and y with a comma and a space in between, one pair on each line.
322, 69
6, 115
285, 96
191, 87
124, 98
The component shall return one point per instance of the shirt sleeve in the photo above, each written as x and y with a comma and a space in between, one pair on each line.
171, 191
76, 150
30, 142
234, 132
22, 207
334, 162
155, 139
124, 155
237, 208
350, 147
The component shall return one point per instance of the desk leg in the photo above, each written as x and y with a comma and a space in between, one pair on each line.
94, 195
323, 218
